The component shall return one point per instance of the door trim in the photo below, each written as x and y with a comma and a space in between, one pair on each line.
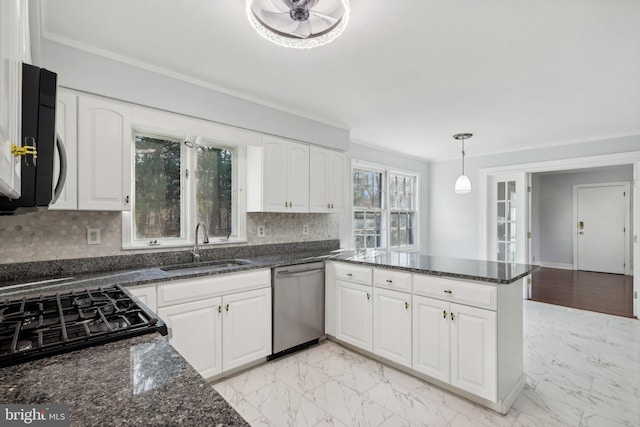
627, 240
626, 158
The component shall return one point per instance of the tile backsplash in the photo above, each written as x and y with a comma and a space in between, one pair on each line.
53, 235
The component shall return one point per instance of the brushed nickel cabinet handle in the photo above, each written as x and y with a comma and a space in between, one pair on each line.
447, 291
219, 309
226, 307
389, 281
368, 295
406, 305
444, 314
453, 316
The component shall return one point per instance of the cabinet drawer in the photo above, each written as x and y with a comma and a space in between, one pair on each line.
390, 279
199, 288
474, 294
352, 273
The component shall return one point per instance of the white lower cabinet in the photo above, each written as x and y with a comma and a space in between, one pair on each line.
354, 311
195, 330
246, 327
392, 325
456, 344
146, 294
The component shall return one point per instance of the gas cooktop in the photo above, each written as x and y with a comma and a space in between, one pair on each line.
40, 326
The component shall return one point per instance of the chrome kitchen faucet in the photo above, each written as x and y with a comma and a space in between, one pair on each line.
196, 250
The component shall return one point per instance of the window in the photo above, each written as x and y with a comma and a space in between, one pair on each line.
384, 208
176, 185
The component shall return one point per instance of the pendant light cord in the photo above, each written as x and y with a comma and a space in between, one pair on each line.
463, 155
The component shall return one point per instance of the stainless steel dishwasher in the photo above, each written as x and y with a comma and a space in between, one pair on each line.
298, 306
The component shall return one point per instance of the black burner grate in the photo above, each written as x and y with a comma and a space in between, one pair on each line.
44, 325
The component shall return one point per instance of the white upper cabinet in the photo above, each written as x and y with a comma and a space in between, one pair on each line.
326, 179
104, 155
278, 176
67, 130
14, 49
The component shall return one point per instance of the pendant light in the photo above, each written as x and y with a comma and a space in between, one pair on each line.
301, 24
463, 185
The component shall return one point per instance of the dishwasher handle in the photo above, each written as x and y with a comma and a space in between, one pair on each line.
297, 273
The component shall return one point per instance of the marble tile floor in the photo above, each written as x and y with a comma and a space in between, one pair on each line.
583, 370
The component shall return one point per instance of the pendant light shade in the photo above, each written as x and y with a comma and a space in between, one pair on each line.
463, 184
301, 24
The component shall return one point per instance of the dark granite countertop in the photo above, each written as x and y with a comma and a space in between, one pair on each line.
131, 382
468, 269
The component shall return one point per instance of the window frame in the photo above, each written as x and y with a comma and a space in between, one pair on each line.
386, 199
188, 193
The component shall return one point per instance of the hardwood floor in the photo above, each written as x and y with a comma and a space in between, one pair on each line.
601, 292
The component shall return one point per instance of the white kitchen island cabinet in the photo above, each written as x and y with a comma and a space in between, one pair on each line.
463, 333
278, 176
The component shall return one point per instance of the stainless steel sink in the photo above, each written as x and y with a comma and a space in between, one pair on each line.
208, 265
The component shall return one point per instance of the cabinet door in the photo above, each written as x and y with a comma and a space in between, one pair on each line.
354, 310
67, 128
298, 177
274, 184
336, 181
319, 180
12, 21
431, 342
246, 328
147, 295
104, 155
474, 350
392, 325
195, 331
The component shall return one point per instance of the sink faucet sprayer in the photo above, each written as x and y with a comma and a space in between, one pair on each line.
196, 251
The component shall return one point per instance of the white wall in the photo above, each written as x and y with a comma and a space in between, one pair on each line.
393, 160
84, 71
555, 209
454, 219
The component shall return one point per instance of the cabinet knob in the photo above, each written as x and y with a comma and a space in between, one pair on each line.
406, 305
389, 281
453, 316
448, 291
226, 307
444, 314
126, 199
368, 295
219, 309
349, 274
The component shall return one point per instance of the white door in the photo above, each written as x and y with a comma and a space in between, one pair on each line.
67, 129
602, 227
246, 327
506, 218
298, 177
474, 350
11, 56
336, 181
354, 310
104, 155
431, 342
318, 180
274, 185
392, 325
195, 331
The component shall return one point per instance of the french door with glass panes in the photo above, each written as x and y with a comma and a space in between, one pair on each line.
506, 218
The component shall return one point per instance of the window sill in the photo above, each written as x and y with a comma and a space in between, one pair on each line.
213, 242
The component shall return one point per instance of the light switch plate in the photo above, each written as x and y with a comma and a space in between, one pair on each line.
305, 229
261, 231
93, 236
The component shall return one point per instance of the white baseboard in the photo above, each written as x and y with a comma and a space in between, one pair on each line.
560, 265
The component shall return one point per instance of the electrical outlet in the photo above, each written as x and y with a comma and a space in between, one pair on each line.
93, 236
305, 229
261, 231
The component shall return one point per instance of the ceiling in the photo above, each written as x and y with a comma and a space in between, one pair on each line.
404, 75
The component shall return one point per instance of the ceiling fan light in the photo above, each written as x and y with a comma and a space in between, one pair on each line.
463, 185
285, 33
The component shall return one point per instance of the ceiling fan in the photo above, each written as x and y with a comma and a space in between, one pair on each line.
299, 23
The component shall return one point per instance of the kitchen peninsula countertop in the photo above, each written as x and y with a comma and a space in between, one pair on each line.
131, 382
459, 268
